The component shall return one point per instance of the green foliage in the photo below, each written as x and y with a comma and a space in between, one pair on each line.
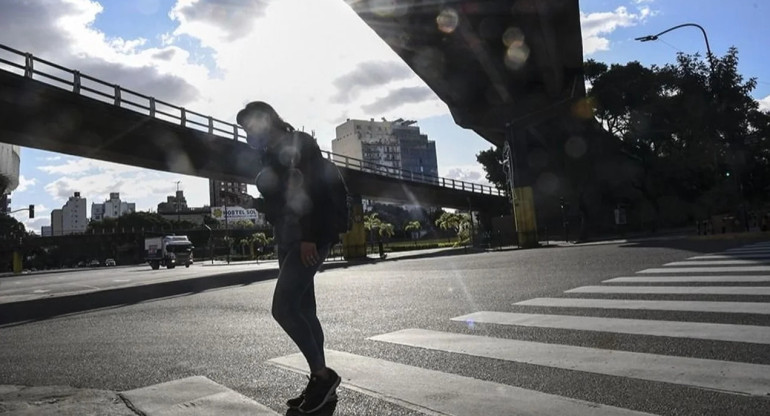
459, 222
11, 229
492, 162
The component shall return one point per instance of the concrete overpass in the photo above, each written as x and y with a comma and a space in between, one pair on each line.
83, 116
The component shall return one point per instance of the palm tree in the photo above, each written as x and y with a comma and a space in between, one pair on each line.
415, 227
244, 243
459, 222
260, 240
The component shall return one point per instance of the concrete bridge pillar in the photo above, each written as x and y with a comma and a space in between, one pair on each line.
354, 241
515, 159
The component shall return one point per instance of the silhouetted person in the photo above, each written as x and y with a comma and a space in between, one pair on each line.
295, 202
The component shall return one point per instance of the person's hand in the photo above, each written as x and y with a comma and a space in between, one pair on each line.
308, 253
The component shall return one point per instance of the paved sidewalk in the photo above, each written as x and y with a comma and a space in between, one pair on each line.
61, 400
191, 396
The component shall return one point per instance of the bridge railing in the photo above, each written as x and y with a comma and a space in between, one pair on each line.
22, 63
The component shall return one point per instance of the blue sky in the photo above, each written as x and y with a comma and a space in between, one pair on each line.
212, 57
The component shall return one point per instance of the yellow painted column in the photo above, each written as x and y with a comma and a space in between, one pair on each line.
17, 264
354, 241
524, 216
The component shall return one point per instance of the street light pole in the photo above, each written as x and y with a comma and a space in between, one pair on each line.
649, 38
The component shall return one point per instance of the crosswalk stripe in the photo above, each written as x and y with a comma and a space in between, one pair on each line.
716, 263
438, 393
760, 308
713, 269
748, 250
673, 329
756, 256
689, 279
725, 376
675, 290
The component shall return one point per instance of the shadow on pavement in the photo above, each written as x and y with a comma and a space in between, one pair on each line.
327, 410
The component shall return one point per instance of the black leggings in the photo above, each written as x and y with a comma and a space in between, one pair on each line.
294, 306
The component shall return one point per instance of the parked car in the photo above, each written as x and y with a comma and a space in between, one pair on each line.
110, 262
81, 263
94, 263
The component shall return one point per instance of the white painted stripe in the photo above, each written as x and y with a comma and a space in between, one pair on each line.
735, 269
672, 329
757, 256
716, 263
725, 376
676, 290
748, 250
437, 393
688, 279
760, 308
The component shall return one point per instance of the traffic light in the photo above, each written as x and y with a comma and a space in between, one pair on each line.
31, 210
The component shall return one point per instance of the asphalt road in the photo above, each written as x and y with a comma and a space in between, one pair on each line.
228, 335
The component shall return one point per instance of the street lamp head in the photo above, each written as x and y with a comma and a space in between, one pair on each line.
647, 38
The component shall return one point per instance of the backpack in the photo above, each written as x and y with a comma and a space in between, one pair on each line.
339, 198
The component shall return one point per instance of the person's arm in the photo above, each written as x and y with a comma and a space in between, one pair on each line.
310, 165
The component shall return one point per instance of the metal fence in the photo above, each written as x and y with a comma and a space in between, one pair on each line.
21, 63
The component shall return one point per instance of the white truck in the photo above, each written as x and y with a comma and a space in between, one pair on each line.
168, 251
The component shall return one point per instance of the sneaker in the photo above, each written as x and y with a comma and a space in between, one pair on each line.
295, 402
319, 392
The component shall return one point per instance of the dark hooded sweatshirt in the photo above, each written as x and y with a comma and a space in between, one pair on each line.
296, 199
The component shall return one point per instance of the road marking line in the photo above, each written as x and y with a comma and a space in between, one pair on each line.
715, 263
40, 291
725, 376
193, 396
672, 329
676, 290
438, 393
688, 279
761, 308
735, 269
732, 256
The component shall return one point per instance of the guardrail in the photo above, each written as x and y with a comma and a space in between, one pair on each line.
94, 88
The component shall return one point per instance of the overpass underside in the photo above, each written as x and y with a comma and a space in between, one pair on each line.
41, 116
512, 71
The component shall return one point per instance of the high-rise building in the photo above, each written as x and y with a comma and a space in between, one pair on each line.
224, 193
10, 160
71, 218
111, 208
56, 222
384, 145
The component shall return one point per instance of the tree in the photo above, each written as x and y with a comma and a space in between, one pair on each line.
458, 222
413, 226
492, 162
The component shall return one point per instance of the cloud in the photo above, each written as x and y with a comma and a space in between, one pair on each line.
64, 34
398, 97
25, 183
596, 26
96, 179
468, 173
369, 74
231, 19
764, 103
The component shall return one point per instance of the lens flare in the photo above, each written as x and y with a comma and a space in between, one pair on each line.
447, 20
575, 147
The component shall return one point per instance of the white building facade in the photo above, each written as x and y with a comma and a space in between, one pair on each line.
111, 208
388, 145
73, 216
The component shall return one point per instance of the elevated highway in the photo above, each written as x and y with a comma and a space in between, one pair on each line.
49, 107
